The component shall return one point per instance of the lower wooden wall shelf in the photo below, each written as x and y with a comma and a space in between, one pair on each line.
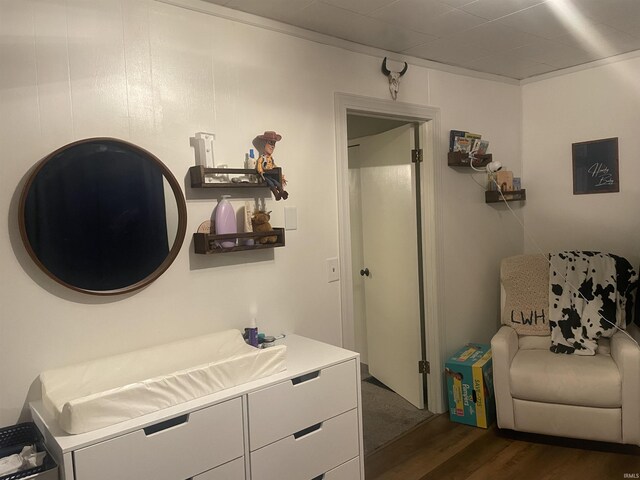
493, 196
206, 243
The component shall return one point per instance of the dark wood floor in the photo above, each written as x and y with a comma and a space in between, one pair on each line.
441, 449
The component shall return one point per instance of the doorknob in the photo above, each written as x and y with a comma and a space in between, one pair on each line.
364, 272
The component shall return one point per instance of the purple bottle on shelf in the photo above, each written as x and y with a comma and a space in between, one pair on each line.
226, 221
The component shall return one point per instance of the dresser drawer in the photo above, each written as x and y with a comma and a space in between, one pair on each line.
290, 406
347, 471
233, 470
175, 449
311, 453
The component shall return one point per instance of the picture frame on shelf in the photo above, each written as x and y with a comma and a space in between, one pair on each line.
504, 178
517, 184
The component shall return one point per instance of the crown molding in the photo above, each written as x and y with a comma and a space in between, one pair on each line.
584, 66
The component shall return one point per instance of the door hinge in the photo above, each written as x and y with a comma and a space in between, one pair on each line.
424, 367
416, 155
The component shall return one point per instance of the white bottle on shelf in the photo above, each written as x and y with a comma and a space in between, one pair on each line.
250, 160
248, 228
250, 164
226, 221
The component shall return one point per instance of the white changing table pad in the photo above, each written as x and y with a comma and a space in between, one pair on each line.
110, 390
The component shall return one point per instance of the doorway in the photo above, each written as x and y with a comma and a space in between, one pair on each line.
428, 119
385, 239
386, 248
421, 126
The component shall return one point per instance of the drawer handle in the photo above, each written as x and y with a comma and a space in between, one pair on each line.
306, 377
172, 422
307, 431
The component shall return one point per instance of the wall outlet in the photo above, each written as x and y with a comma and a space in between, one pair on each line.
333, 270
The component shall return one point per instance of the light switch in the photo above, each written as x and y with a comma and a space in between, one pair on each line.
290, 218
333, 271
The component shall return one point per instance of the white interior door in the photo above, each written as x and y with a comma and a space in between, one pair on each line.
389, 240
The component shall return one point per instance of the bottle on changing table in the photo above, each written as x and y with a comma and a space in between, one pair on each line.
251, 333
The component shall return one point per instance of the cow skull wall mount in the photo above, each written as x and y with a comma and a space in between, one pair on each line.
394, 77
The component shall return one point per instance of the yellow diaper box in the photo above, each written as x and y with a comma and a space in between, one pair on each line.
469, 374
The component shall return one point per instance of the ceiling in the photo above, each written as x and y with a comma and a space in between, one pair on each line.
513, 38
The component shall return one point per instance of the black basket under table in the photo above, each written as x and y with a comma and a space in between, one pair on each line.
14, 438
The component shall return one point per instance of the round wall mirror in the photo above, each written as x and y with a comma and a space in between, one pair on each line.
102, 216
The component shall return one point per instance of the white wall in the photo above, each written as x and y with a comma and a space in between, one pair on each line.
476, 235
592, 104
155, 74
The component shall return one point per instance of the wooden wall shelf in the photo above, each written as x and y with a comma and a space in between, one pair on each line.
493, 196
199, 176
206, 243
460, 159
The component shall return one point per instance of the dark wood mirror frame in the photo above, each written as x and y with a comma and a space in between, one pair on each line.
181, 208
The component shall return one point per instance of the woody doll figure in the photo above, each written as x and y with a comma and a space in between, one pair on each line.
265, 144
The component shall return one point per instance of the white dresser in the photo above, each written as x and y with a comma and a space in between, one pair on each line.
301, 424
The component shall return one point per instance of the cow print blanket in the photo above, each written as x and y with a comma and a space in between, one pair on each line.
607, 285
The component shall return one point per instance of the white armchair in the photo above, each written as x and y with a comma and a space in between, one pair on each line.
588, 397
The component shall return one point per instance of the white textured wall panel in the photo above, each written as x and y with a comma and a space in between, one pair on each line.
154, 74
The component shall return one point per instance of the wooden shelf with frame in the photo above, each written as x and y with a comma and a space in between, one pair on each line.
493, 196
461, 159
207, 243
203, 177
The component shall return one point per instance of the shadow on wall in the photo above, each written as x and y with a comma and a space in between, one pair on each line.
34, 393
